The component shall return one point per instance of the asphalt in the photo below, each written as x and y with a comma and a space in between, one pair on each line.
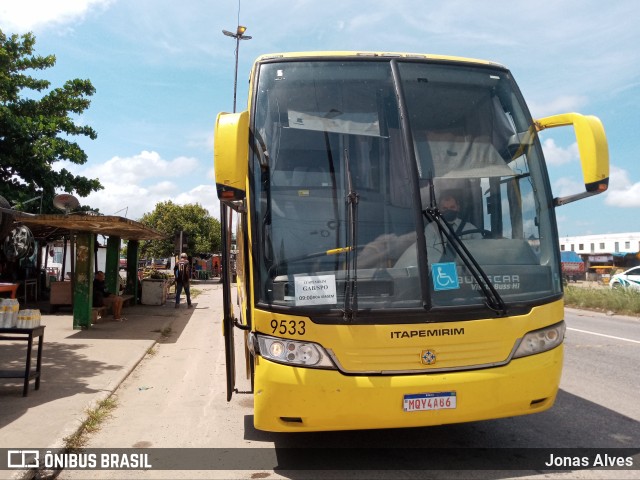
80, 369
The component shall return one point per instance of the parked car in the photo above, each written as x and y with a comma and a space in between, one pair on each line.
627, 279
161, 263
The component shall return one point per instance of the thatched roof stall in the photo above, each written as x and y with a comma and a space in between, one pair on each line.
53, 227
81, 230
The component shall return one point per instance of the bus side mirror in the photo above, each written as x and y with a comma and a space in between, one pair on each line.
231, 155
594, 152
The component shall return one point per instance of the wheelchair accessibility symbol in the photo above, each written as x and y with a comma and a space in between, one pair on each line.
445, 276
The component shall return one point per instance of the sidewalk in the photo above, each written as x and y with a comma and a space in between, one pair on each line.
80, 368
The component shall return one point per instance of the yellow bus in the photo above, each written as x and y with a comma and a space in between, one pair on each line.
398, 261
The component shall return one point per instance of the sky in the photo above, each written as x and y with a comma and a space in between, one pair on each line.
163, 70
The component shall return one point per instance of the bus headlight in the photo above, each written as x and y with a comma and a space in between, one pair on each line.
294, 352
541, 340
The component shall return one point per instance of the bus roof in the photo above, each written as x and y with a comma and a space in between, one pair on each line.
337, 54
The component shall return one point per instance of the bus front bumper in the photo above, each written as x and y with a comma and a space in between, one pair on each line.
289, 399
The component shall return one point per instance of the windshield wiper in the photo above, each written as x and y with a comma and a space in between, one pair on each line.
351, 283
493, 300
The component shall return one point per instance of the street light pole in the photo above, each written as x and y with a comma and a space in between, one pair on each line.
239, 35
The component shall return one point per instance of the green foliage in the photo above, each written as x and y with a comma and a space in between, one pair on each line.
154, 274
203, 231
36, 127
621, 300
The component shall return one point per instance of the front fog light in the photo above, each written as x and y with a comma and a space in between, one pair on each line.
294, 352
541, 340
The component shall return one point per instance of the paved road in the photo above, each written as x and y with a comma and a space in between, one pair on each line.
601, 361
176, 398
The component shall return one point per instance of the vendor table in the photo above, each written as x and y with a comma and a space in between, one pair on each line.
9, 287
25, 334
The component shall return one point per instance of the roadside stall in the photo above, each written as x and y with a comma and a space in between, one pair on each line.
22, 237
79, 231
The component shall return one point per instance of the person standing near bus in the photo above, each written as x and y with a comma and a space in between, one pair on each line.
182, 273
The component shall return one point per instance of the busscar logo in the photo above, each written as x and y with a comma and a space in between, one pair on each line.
23, 458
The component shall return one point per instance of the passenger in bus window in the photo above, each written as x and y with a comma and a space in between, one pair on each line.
450, 210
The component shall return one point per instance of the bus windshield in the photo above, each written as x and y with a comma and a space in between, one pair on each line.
386, 184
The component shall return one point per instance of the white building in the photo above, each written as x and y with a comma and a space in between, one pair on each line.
606, 243
56, 254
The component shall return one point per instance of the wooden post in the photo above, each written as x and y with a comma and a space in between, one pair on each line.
132, 270
112, 265
64, 258
83, 284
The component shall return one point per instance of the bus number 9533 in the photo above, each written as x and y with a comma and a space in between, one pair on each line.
291, 327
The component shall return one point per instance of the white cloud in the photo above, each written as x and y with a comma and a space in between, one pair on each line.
556, 155
134, 201
138, 168
134, 185
561, 104
204, 195
21, 16
163, 188
622, 191
127, 200
565, 186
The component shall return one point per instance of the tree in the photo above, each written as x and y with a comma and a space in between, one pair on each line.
202, 229
35, 133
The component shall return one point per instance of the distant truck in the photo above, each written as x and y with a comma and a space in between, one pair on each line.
572, 266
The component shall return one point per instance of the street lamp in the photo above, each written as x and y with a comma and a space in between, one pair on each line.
239, 35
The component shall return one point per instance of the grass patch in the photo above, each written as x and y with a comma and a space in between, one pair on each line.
622, 301
92, 423
165, 332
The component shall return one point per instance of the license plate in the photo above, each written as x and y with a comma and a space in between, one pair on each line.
419, 402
